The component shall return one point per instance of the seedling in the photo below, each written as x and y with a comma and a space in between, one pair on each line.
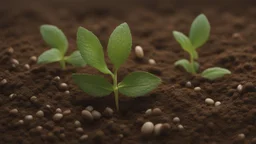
134, 84
198, 35
58, 42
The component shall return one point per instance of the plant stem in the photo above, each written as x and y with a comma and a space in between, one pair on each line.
116, 89
63, 64
192, 64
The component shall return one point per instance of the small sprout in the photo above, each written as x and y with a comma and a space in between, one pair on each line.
139, 52
152, 61
239, 88
57, 117
28, 117
119, 47
217, 103
40, 113
27, 66
147, 128
209, 101
58, 42
198, 35
176, 120
197, 89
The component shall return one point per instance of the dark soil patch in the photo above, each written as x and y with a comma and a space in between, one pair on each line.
151, 23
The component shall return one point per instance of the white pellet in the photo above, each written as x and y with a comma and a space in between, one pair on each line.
27, 66
176, 119
33, 59
148, 112
239, 88
28, 117
77, 123
147, 128
188, 84
4, 81
57, 117
180, 127
139, 52
157, 129
40, 113
58, 110
217, 103
152, 61
209, 101
14, 111
197, 89
15, 62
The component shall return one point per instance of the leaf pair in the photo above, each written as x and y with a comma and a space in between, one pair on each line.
56, 39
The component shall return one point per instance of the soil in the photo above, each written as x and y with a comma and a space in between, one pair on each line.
232, 45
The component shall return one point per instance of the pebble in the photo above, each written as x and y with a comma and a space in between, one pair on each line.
165, 128
33, 98
4, 81
33, 59
39, 128
236, 36
148, 112
27, 66
79, 129
67, 92
241, 136
197, 89
147, 128
239, 88
217, 103
209, 101
29, 117
57, 78
188, 84
48, 106
77, 123
57, 117
40, 113
96, 115
66, 112
176, 119
249, 87
14, 111
139, 52
157, 129
108, 112
21, 121
12, 95
63, 86
89, 108
84, 137
152, 61
87, 115
15, 62
156, 111
10, 50
58, 110
180, 127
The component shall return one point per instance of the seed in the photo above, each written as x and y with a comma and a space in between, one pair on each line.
40, 113
57, 117
33, 59
58, 110
241, 136
157, 129
33, 98
66, 112
57, 78
96, 115
84, 137
180, 127
87, 115
10, 50
15, 62
48, 106
27, 66
139, 52
39, 128
156, 111
239, 88
197, 89
108, 112
63, 86
209, 101
89, 108
28, 117
148, 112
152, 61
217, 103
12, 95
79, 129
21, 121
4, 81
176, 120
14, 111
77, 123
147, 128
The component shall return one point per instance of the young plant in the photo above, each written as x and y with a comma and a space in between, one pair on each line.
134, 84
198, 35
58, 42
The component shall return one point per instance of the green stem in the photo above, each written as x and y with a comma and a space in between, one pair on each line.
192, 63
63, 64
115, 89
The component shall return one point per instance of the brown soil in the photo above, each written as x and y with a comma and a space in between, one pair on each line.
151, 23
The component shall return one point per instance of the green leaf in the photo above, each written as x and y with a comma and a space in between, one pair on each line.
119, 45
183, 41
75, 59
215, 72
196, 66
54, 37
91, 50
185, 64
138, 84
93, 85
199, 31
49, 56
194, 54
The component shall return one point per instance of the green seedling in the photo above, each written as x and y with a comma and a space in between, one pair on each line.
134, 84
58, 42
198, 35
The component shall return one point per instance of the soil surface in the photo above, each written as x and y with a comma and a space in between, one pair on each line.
232, 45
